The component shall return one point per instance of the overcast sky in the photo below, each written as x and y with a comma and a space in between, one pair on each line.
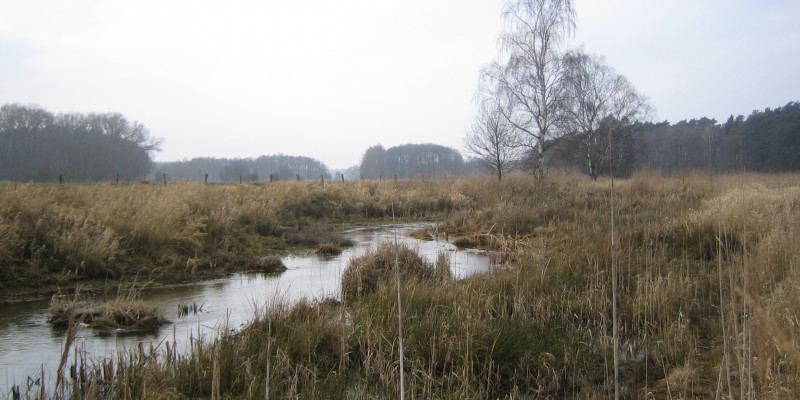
327, 79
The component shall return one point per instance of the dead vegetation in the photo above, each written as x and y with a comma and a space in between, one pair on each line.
125, 311
691, 248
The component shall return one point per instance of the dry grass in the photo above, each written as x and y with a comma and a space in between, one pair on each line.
375, 269
329, 249
540, 325
53, 234
124, 311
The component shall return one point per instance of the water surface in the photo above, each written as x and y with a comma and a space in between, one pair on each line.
29, 345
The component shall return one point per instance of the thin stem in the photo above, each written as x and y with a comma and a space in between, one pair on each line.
269, 341
614, 274
399, 308
725, 341
747, 349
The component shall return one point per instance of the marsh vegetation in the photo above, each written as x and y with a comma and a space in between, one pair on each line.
60, 235
707, 269
123, 311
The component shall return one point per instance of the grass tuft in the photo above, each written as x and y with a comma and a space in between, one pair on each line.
329, 249
365, 274
125, 311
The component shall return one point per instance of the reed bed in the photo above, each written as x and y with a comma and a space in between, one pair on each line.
707, 271
62, 234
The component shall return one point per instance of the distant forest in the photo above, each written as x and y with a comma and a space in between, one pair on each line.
405, 161
765, 141
39, 146
412, 161
276, 167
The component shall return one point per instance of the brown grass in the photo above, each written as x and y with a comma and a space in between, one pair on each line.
51, 234
329, 249
540, 325
125, 311
367, 273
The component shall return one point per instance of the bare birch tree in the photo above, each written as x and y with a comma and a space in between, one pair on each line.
529, 81
602, 106
491, 138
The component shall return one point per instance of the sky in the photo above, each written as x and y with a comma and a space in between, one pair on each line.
328, 79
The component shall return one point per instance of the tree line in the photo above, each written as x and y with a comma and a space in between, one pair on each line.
764, 141
275, 167
411, 161
39, 146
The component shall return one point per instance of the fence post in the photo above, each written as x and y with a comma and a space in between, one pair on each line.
342, 178
298, 177
116, 179
395, 178
205, 179
60, 179
164, 178
240, 179
270, 178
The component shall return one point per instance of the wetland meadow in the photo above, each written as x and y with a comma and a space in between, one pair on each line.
522, 308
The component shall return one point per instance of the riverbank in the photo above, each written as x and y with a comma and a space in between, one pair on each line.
707, 267
63, 235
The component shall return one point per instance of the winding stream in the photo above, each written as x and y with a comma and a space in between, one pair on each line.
28, 345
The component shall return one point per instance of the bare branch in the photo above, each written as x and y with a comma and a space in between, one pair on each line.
601, 107
491, 139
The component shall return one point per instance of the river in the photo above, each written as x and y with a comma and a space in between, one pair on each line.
29, 345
